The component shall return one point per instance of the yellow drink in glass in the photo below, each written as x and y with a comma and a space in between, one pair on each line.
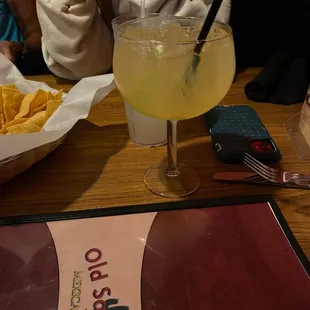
151, 60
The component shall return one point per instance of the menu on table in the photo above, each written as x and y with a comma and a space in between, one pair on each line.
207, 254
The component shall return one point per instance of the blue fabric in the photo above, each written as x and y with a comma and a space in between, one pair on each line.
9, 30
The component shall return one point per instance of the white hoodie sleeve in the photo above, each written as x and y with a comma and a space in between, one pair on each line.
76, 43
200, 8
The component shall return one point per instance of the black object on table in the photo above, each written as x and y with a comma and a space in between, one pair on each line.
274, 35
283, 80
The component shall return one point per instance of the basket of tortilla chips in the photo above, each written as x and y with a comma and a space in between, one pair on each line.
22, 114
35, 118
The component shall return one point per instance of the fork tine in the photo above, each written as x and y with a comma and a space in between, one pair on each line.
260, 163
259, 172
261, 166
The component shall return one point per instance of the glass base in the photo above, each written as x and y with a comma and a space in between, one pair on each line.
185, 183
149, 145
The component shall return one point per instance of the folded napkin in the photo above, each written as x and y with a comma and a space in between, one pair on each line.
283, 80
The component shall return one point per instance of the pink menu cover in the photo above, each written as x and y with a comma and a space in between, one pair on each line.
219, 258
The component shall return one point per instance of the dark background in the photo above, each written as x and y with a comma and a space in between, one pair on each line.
262, 27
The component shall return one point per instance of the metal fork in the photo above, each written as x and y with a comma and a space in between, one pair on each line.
274, 175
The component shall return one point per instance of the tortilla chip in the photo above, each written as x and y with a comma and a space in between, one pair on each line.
11, 86
20, 114
58, 96
37, 119
32, 103
25, 105
2, 120
12, 123
1, 102
52, 106
23, 129
40, 99
39, 109
50, 96
12, 99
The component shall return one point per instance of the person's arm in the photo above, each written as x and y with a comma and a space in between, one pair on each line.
200, 8
25, 14
76, 42
224, 12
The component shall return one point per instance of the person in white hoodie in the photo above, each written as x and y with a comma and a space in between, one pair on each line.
77, 39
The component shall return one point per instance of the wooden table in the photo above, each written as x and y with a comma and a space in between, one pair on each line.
98, 166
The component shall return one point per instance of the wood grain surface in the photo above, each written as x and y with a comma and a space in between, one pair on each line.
98, 166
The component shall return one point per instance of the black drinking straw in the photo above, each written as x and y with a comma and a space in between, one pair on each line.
215, 6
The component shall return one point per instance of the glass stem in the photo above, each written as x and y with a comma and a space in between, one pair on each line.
173, 169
